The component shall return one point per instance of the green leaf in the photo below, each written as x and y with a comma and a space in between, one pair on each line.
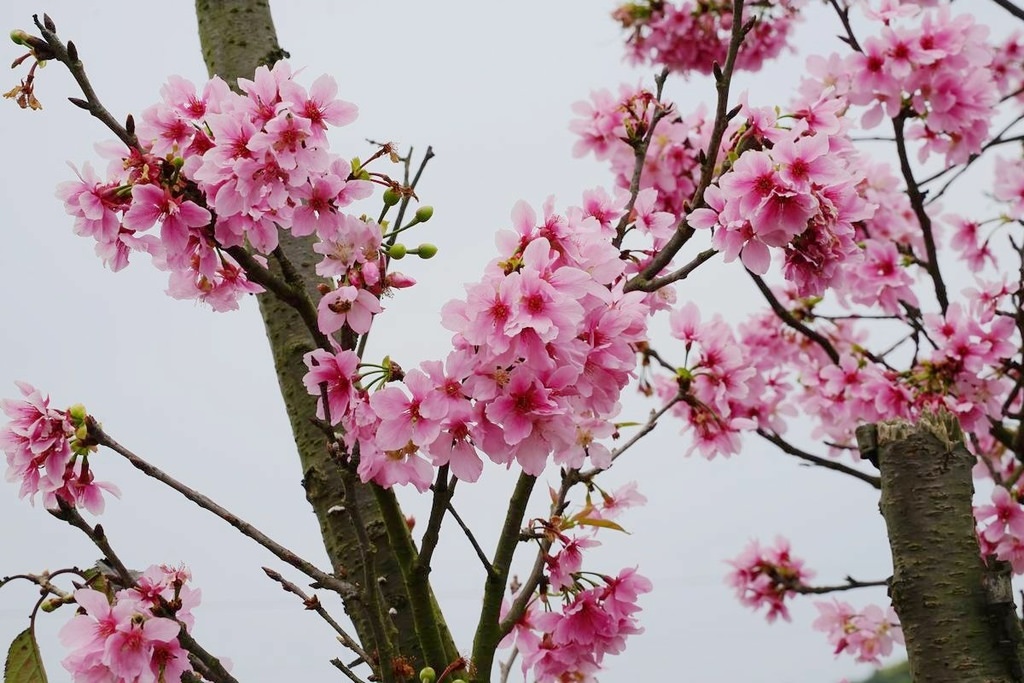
24, 664
603, 523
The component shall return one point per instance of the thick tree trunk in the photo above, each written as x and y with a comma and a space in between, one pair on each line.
236, 37
957, 614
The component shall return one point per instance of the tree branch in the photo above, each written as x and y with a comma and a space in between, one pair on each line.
723, 79
792, 322
788, 448
208, 665
1011, 8
312, 603
68, 56
488, 632
917, 203
328, 581
850, 584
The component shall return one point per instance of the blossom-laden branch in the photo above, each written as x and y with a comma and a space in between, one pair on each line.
723, 80
641, 143
207, 664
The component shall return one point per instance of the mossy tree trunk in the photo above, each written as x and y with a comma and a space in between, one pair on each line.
957, 613
236, 37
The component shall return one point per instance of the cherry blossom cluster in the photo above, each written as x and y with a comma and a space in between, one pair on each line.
713, 385
800, 194
767, 576
868, 635
543, 346
48, 452
1001, 527
962, 374
571, 535
132, 635
926, 65
690, 37
568, 641
216, 170
577, 616
608, 124
797, 187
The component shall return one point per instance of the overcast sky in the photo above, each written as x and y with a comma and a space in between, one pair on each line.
489, 85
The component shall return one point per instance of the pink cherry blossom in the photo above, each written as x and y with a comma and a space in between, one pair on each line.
347, 305
765, 577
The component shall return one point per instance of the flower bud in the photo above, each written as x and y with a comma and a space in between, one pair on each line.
77, 413
428, 675
425, 251
51, 605
397, 251
19, 37
424, 213
82, 432
392, 197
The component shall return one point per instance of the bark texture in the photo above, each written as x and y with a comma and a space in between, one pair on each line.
236, 37
957, 614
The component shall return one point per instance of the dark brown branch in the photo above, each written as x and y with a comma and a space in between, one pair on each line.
679, 274
312, 603
208, 665
439, 504
723, 79
1011, 8
844, 18
850, 584
790, 449
92, 101
472, 539
792, 322
322, 578
340, 666
917, 203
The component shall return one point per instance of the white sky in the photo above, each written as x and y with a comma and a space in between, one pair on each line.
489, 85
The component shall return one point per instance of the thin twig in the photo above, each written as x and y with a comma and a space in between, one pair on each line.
340, 666
790, 449
313, 603
472, 539
647, 428
92, 101
917, 203
506, 666
792, 322
323, 579
844, 18
722, 116
679, 274
850, 584
1011, 8
208, 665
